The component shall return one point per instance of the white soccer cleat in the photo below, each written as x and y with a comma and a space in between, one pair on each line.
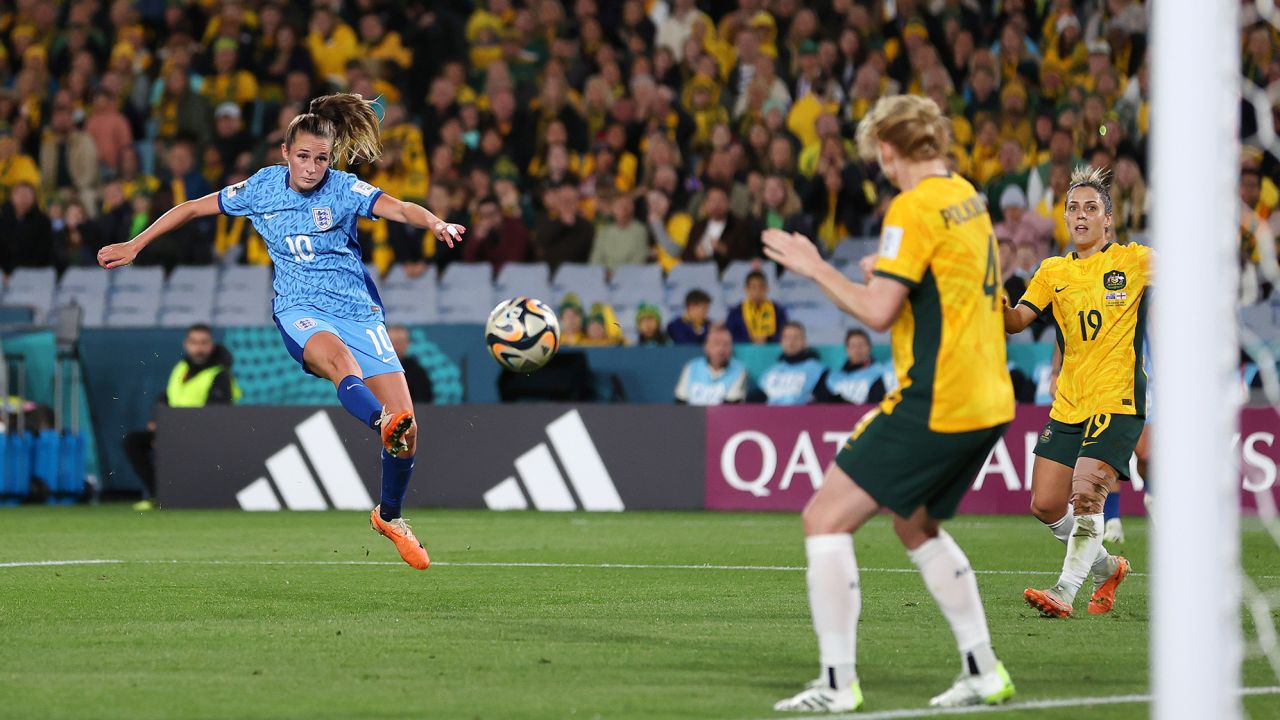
992, 688
817, 697
1113, 532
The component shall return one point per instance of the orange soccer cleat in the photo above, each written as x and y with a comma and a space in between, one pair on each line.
1104, 598
394, 427
399, 532
1047, 602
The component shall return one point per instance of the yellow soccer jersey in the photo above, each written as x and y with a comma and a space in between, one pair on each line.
948, 341
1100, 307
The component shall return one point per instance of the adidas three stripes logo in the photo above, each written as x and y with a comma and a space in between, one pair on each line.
290, 476
538, 480
540, 477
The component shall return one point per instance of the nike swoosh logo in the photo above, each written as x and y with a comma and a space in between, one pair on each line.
387, 360
351, 386
1058, 290
268, 216
1088, 443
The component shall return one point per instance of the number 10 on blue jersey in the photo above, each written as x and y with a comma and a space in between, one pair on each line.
300, 247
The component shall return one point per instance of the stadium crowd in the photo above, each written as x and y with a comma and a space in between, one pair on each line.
610, 132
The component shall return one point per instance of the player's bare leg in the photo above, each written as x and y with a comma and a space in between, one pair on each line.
1090, 482
327, 355
833, 514
1051, 505
1142, 451
950, 579
1113, 527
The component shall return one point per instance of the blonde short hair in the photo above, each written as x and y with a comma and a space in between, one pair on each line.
913, 125
1091, 177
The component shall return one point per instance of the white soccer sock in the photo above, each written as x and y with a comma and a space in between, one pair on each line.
950, 579
1082, 550
1062, 530
836, 601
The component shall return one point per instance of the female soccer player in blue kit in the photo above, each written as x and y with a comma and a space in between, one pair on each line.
326, 306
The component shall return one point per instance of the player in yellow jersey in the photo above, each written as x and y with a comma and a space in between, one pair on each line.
935, 282
1098, 298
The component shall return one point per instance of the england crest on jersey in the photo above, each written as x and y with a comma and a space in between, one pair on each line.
323, 217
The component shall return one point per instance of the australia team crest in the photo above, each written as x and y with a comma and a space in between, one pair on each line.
323, 217
1114, 280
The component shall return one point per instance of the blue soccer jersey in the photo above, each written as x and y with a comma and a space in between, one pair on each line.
311, 238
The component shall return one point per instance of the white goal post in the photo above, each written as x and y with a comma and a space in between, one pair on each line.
1194, 151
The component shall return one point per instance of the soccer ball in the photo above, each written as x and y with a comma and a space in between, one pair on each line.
523, 334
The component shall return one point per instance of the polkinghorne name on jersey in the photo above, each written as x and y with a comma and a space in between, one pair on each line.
960, 213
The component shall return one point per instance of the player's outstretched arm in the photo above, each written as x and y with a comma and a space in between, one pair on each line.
1017, 318
414, 214
875, 304
120, 254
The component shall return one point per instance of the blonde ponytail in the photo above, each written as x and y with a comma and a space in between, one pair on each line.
348, 121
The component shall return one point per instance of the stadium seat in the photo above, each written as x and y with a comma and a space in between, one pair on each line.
853, 250
133, 307
188, 296
794, 291
242, 305
250, 279
396, 277
87, 288
242, 316
194, 306
414, 303
39, 299
25, 279
82, 279
634, 284
702, 276
806, 294
243, 297
822, 324
192, 277
465, 294
584, 280
181, 317
137, 279
528, 279
626, 315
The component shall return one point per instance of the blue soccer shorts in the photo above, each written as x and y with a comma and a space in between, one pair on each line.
367, 340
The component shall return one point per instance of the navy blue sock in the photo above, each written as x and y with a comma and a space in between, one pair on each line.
359, 400
395, 482
1111, 508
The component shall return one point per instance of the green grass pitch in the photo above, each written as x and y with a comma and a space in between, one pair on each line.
238, 615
